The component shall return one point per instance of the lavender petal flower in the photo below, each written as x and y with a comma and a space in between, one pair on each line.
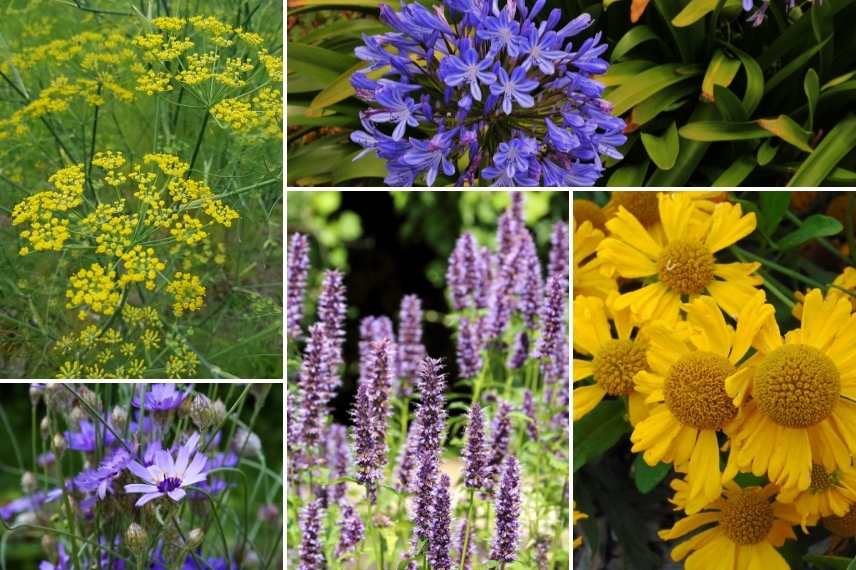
531, 284
507, 536
468, 348
520, 351
559, 251
331, 313
168, 477
431, 415
411, 351
351, 529
476, 467
529, 410
408, 459
438, 546
315, 389
298, 269
311, 549
551, 342
500, 438
464, 275
338, 458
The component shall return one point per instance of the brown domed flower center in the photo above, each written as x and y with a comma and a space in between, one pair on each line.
821, 479
617, 364
747, 518
695, 391
842, 526
686, 266
643, 205
797, 386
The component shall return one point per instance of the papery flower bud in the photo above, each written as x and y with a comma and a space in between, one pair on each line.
298, 269
559, 251
351, 529
119, 418
476, 468
218, 412
29, 483
57, 398
469, 348
136, 539
411, 351
440, 542
506, 537
201, 412
76, 415
45, 427
195, 538
58, 445
311, 549
246, 443
48, 542
36, 391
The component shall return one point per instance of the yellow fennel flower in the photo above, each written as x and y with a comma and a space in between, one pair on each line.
188, 291
95, 289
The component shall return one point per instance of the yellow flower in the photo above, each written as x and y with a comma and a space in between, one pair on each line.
686, 386
590, 277
844, 282
141, 265
588, 211
744, 528
830, 494
578, 516
128, 348
151, 339
683, 264
188, 291
615, 359
94, 288
801, 411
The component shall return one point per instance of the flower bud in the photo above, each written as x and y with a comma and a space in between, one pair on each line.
49, 545
57, 398
246, 443
136, 539
76, 415
219, 412
36, 391
201, 412
45, 427
119, 417
29, 483
58, 445
195, 538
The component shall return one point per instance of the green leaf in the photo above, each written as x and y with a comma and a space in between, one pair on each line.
663, 150
735, 174
754, 80
598, 431
340, 88
636, 36
647, 477
623, 72
346, 3
728, 105
693, 12
773, 208
629, 175
767, 152
333, 61
343, 29
814, 226
831, 150
713, 131
720, 71
788, 130
664, 101
852, 565
811, 86
649, 82
793, 66
690, 155
831, 562
688, 39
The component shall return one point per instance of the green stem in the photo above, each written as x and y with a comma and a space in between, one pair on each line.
199, 138
376, 538
738, 252
467, 530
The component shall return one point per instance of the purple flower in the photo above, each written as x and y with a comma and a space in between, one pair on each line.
529, 410
502, 301
469, 348
507, 536
438, 546
469, 67
331, 313
30, 503
465, 274
431, 415
407, 459
514, 87
167, 476
411, 351
338, 458
83, 440
351, 529
550, 346
512, 157
428, 156
371, 413
161, 398
540, 50
372, 329
298, 269
100, 479
501, 30
315, 388
476, 467
395, 108
531, 283
64, 561
520, 351
500, 430
311, 548
559, 250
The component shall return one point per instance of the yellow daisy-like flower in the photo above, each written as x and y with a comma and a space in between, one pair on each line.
683, 264
830, 494
588, 211
802, 388
686, 386
747, 528
615, 359
589, 276
578, 516
846, 280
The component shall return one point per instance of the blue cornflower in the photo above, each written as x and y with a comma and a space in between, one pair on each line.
85, 440
100, 479
395, 109
430, 155
161, 398
468, 67
515, 87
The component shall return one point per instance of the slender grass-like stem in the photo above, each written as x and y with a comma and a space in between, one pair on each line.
466, 543
376, 537
199, 138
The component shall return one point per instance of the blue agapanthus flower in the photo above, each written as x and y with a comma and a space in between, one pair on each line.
484, 92
759, 13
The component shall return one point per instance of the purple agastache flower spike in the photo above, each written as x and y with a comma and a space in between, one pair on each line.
520, 351
372, 329
371, 413
465, 274
316, 389
502, 301
298, 269
529, 410
469, 348
351, 529
475, 452
486, 272
411, 351
100, 479
559, 251
338, 458
500, 431
407, 459
531, 283
507, 536
167, 476
430, 110
311, 548
552, 337
440, 542
161, 398
331, 313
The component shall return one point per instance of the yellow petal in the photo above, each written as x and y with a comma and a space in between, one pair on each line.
627, 260
586, 398
823, 318
582, 369
591, 329
676, 211
704, 474
728, 225
627, 228
711, 333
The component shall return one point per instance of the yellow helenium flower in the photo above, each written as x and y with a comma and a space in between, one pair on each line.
747, 528
686, 386
846, 280
830, 494
588, 271
578, 516
643, 204
615, 361
802, 388
683, 264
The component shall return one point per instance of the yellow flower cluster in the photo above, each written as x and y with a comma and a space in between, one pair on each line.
46, 231
95, 289
264, 114
141, 265
188, 291
689, 342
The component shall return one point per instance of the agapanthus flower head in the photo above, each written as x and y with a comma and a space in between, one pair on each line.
411, 351
161, 398
169, 476
298, 269
507, 536
486, 84
476, 468
311, 548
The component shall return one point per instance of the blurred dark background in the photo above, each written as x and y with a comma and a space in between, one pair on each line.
391, 244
